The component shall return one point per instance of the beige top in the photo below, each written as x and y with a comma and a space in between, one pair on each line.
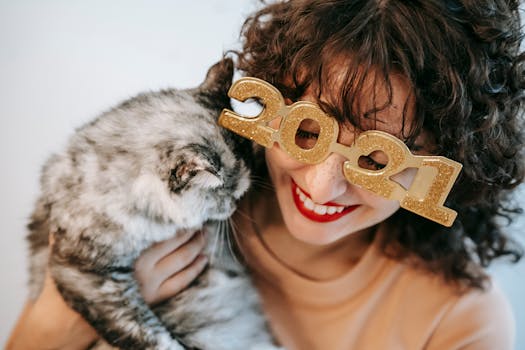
379, 304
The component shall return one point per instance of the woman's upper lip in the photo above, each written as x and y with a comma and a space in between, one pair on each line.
327, 203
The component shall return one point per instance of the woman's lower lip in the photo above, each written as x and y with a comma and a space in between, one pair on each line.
310, 214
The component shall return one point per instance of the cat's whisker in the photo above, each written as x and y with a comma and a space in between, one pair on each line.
262, 183
245, 215
215, 242
235, 242
220, 238
229, 240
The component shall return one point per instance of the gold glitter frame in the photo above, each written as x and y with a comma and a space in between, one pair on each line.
425, 196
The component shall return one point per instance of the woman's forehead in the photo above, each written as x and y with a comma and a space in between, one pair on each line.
377, 102
380, 102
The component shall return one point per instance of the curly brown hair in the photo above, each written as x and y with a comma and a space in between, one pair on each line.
463, 62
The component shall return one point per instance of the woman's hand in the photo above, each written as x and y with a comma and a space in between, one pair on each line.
49, 323
168, 267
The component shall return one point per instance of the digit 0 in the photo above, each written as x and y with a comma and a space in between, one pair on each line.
329, 129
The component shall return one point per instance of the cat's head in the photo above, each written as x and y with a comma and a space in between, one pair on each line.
212, 173
191, 170
209, 179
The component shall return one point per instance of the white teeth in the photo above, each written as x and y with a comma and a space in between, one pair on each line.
320, 209
309, 204
317, 208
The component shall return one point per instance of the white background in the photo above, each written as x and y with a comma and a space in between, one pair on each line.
62, 62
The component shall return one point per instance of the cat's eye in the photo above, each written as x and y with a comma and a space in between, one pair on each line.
207, 179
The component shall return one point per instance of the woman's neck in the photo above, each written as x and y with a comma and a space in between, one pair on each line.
316, 262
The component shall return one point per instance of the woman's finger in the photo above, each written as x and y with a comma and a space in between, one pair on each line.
157, 251
181, 280
180, 258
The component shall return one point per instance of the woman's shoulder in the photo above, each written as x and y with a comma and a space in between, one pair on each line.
478, 319
449, 316
466, 318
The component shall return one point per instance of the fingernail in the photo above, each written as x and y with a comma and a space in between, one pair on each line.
203, 259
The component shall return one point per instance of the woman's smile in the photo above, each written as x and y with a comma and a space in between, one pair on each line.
318, 212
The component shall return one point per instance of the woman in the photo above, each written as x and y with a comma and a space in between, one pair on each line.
337, 266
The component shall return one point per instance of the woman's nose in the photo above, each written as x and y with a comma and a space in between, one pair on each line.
326, 181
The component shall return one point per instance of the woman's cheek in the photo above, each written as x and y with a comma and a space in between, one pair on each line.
276, 158
384, 206
405, 178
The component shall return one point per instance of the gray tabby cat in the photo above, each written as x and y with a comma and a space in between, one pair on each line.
152, 167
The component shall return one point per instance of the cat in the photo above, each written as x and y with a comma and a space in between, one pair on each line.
152, 167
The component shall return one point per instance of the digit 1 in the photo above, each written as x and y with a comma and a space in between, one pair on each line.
253, 128
436, 188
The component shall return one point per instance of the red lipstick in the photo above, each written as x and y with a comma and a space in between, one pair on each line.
310, 214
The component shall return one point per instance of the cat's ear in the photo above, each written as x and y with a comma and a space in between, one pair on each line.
188, 173
218, 79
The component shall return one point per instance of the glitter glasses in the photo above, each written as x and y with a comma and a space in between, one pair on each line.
425, 196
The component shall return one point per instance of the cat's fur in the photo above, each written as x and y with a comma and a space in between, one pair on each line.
154, 166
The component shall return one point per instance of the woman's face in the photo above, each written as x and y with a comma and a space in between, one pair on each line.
318, 205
